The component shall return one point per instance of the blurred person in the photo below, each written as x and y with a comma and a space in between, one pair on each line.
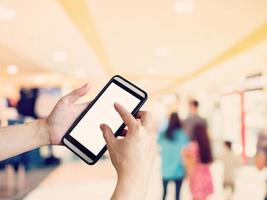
193, 117
131, 156
231, 163
261, 155
197, 157
172, 141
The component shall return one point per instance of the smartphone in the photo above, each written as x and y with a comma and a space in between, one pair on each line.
84, 137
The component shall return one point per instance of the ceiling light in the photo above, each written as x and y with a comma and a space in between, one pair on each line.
144, 82
80, 73
151, 71
245, 60
170, 98
6, 13
38, 79
12, 69
184, 6
162, 52
59, 57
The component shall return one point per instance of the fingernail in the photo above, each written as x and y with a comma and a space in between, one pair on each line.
86, 84
102, 126
116, 105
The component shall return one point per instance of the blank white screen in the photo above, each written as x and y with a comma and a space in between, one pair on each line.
87, 131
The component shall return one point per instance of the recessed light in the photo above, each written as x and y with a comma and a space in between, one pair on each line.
170, 98
59, 57
80, 73
162, 52
38, 79
245, 60
6, 13
144, 82
12, 69
152, 71
184, 6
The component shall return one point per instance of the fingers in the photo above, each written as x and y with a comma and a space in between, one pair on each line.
76, 94
145, 118
108, 134
127, 117
123, 133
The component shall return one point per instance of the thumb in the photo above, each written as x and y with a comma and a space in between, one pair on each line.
76, 94
108, 134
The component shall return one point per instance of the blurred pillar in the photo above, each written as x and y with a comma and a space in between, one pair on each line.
243, 128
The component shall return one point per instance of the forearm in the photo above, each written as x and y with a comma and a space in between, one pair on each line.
130, 189
20, 138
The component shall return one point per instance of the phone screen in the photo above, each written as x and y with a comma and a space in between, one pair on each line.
88, 132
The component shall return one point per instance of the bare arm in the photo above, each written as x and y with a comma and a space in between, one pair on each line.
133, 155
20, 138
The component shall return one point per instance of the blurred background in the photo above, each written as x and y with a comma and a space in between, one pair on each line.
212, 51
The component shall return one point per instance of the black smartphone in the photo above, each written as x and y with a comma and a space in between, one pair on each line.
84, 137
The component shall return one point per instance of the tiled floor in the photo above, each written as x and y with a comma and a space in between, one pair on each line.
80, 181
17, 185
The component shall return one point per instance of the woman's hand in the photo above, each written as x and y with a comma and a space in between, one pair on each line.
133, 155
21, 138
64, 114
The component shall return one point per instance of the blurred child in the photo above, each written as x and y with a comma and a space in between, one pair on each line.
197, 158
231, 163
261, 156
172, 141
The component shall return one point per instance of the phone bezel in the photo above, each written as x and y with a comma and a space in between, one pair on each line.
79, 149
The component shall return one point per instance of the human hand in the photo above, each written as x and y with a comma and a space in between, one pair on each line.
133, 155
64, 114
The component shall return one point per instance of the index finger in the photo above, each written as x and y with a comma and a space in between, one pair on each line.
127, 117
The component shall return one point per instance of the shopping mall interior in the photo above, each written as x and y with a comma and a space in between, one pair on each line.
212, 51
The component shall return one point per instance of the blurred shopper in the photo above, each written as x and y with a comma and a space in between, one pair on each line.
138, 144
261, 156
231, 163
197, 157
172, 141
193, 118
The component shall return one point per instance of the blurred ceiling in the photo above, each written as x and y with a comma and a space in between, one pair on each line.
146, 41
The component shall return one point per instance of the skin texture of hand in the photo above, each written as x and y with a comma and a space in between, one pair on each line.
64, 114
133, 155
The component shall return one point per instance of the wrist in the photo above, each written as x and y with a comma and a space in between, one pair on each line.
43, 132
130, 187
